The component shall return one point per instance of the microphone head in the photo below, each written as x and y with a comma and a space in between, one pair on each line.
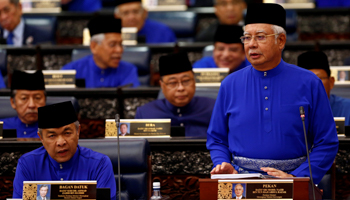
301, 110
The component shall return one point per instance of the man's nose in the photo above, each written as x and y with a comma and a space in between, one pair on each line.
61, 141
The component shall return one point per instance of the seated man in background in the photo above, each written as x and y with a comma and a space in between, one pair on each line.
180, 104
228, 50
133, 14
228, 12
104, 67
60, 157
81, 5
27, 95
13, 27
317, 62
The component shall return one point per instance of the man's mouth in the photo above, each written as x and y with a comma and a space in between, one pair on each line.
62, 152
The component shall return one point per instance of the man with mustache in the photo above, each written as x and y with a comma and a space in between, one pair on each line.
256, 124
228, 50
104, 67
13, 27
61, 158
133, 14
180, 104
228, 12
27, 95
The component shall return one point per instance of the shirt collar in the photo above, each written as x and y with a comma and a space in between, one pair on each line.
66, 165
20, 123
96, 68
17, 33
269, 73
184, 109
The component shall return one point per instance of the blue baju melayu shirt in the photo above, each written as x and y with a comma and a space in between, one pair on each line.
85, 5
208, 62
2, 83
257, 116
96, 77
86, 164
340, 107
156, 32
195, 116
23, 130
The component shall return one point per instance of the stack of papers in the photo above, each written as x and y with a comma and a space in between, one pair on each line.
236, 176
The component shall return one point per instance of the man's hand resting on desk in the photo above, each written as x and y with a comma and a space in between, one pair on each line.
275, 172
224, 168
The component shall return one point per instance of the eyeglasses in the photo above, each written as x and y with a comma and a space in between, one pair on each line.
258, 38
175, 84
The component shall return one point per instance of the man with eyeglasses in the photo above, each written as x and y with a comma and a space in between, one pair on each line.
104, 68
256, 124
228, 12
133, 14
317, 62
180, 104
13, 27
228, 50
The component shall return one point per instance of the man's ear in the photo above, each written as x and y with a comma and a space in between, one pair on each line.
13, 105
331, 80
281, 41
93, 46
41, 138
78, 131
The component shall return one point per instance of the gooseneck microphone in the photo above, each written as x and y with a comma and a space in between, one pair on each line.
117, 122
302, 116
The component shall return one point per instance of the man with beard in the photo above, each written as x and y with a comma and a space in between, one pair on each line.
104, 67
27, 95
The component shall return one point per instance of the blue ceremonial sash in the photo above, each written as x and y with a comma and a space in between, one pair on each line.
251, 164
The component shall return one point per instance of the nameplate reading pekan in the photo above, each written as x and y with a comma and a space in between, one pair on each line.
255, 189
138, 128
209, 76
56, 190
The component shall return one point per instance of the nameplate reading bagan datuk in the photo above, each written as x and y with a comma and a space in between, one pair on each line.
138, 128
210, 76
57, 190
40, 6
255, 189
340, 125
129, 35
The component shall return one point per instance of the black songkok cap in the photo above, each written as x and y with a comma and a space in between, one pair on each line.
56, 115
27, 81
174, 63
266, 13
104, 24
314, 60
126, 1
228, 34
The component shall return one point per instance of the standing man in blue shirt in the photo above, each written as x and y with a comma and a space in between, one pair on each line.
228, 50
256, 124
60, 157
27, 95
104, 68
133, 14
14, 29
317, 62
180, 104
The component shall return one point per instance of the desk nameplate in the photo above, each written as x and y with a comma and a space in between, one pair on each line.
57, 190
209, 76
139, 128
256, 189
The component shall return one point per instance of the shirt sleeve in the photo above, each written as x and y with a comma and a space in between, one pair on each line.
321, 134
217, 134
22, 174
105, 176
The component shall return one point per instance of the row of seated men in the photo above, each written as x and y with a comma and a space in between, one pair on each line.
254, 125
132, 14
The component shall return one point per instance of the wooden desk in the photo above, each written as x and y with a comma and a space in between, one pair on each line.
208, 189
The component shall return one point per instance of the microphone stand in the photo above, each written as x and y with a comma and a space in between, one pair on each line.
302, 115
117, 121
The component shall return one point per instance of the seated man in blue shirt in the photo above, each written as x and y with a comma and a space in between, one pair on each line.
14, 29
180, 104
27, 95
133, 14
317, 62
60, 157
82, 5
256, 124
104, 67
228, 50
